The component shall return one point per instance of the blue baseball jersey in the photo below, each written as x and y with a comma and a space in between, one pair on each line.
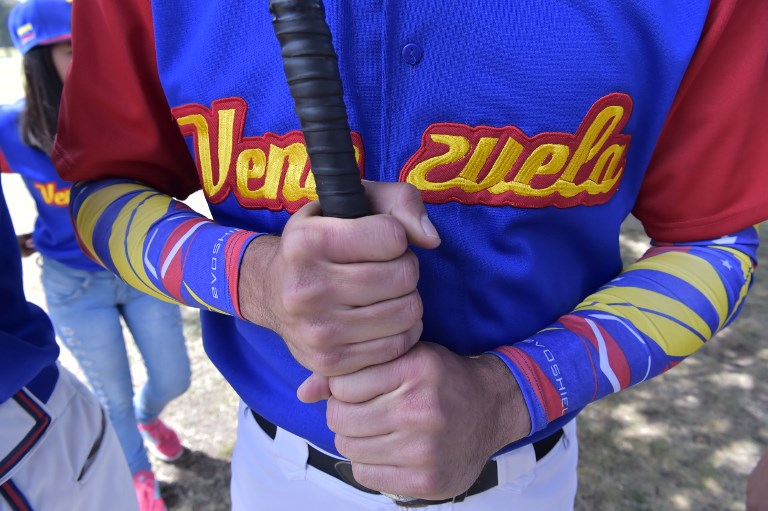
532, 130
54, 235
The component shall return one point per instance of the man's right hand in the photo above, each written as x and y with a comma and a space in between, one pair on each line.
342, 293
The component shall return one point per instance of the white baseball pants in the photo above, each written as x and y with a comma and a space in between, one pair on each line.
272, 474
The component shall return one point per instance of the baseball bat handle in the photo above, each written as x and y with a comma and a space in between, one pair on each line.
311, 68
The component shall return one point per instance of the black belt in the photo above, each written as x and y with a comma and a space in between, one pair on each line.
342, 470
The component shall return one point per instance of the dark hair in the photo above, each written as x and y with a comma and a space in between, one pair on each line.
42, 87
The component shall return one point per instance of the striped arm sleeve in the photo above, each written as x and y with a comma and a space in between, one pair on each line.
159, 245
653, 315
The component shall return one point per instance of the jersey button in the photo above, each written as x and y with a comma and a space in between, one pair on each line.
412, 54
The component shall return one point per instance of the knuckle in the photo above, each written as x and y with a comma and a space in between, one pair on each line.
322, 363
414, 308
319, 332
366, 476
410, 197
408, 271
298, 293
424, 411
327, 362
347, 446
429, 363
419, 409
338, 387
314, 340
400, 344
302, 289
335, 419
393, 233
432, 482
299, 241
341, 443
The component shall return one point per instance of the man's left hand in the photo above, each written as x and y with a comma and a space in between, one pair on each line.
425, 424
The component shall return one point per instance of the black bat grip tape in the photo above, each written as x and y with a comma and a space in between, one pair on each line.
311, 68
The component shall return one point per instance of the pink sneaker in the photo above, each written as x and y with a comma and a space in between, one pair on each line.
161, 440
148, 492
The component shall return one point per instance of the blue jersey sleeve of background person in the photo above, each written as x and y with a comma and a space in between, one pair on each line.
26, 336
530, 147
54, 235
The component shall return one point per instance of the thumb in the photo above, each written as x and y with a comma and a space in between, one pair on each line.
404, 202
314, 389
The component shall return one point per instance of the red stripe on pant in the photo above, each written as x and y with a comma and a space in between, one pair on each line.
42, 421
14, 497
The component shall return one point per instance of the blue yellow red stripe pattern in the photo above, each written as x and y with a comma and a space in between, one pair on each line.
160, 245
657, 312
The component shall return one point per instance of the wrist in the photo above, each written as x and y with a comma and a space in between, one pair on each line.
253, 285
508, 413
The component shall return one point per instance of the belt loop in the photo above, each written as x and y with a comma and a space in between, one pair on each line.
516, 468
290, 453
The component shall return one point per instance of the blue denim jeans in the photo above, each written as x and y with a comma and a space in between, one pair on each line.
85, 308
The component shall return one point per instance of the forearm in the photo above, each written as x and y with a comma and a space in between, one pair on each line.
657, 312
159, 245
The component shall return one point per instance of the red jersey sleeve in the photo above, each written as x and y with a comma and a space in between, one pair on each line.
709, 173
114, 119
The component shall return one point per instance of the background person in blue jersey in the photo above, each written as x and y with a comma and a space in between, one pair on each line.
443, 347
84, 301
57, 449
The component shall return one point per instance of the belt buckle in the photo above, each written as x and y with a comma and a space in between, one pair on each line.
344, 469
408, 502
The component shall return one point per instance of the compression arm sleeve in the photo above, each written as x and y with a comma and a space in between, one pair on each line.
657, 312
159, 245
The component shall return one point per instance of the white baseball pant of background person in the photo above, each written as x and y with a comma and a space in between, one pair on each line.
76, 465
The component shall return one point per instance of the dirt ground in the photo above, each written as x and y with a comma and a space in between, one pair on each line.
682, 442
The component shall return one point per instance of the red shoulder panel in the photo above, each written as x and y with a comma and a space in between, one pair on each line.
114, 119
709, 173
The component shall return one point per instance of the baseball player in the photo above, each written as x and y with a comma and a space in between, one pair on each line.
57, 448
435, 353
85, 302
